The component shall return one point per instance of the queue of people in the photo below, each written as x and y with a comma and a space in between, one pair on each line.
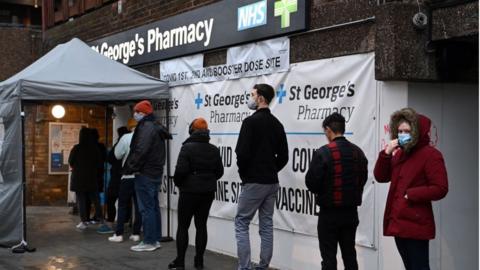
337, 175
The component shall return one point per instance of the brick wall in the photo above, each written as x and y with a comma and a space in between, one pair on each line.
42, 188
106, 20
19, 47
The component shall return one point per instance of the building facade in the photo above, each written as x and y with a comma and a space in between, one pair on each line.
20, 35
426, 57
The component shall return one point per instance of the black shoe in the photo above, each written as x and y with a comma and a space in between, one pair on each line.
175, 265
198, 263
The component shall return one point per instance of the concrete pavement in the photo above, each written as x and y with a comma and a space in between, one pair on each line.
60, 246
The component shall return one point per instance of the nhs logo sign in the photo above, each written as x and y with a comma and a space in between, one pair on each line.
252, 15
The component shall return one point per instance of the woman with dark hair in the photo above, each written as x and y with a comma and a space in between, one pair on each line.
113, 186
198, 168
418, 176
83, 161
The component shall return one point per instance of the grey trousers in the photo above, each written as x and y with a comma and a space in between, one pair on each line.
262, 198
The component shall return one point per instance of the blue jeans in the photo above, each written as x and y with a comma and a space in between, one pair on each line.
148, 205
262, 198
125, 195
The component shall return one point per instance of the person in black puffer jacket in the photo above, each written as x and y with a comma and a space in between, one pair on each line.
198, 168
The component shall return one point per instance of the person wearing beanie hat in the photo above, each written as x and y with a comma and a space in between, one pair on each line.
131, 124
142, 109
198, 124
198, 168
146, 161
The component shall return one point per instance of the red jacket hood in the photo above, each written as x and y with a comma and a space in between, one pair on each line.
424, 124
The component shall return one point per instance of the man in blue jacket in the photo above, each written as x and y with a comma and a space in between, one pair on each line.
146, 160
262, 151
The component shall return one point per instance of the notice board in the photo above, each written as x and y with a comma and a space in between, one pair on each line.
62, 137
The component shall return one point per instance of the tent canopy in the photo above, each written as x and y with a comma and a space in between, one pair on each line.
74, 71
70, 72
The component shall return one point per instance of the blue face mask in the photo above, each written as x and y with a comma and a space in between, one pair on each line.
137, 116
404, 138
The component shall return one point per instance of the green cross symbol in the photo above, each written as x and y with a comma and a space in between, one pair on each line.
283, 8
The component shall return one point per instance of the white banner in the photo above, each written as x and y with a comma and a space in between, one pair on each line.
305, 95
261, 58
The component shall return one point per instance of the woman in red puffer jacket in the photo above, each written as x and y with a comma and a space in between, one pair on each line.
418, 176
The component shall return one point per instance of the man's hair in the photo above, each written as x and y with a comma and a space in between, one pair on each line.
265, 91
336, 122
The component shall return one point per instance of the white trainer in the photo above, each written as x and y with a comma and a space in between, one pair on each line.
81, 226
157, 245
116, 238
143, 247
134, 237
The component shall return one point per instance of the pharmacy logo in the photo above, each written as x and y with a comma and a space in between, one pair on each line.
283, 8
281, 93
198, 100
252, 15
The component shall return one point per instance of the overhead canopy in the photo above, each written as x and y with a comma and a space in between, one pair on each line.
74, 71
70, 72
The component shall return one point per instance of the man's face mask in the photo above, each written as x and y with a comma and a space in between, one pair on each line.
252, 105
404, 138
138, 116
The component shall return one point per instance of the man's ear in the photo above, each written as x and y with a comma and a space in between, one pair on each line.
262, 99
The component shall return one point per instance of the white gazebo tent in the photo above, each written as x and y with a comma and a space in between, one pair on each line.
70, 72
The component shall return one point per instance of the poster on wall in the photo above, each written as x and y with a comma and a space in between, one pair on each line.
62, 137
305, 96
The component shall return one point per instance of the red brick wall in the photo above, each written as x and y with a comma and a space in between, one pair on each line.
106, 20
42, 188
19, 47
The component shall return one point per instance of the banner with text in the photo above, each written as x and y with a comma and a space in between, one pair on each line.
249, 60
305, 95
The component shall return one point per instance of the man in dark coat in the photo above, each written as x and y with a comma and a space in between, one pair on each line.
337, 174
146, 160
262, 151
417, 175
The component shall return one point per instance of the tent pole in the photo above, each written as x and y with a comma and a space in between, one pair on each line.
168, 238
23, 246
105, 166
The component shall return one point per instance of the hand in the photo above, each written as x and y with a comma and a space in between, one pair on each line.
391, 146
406, 196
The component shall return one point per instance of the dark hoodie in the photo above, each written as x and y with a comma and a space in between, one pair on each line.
199, 164
84, 159
418, 171
147, 149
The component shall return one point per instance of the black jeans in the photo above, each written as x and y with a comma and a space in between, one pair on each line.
83, 200
192, 205
338, 227
112, 196
125, 196
414, 253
